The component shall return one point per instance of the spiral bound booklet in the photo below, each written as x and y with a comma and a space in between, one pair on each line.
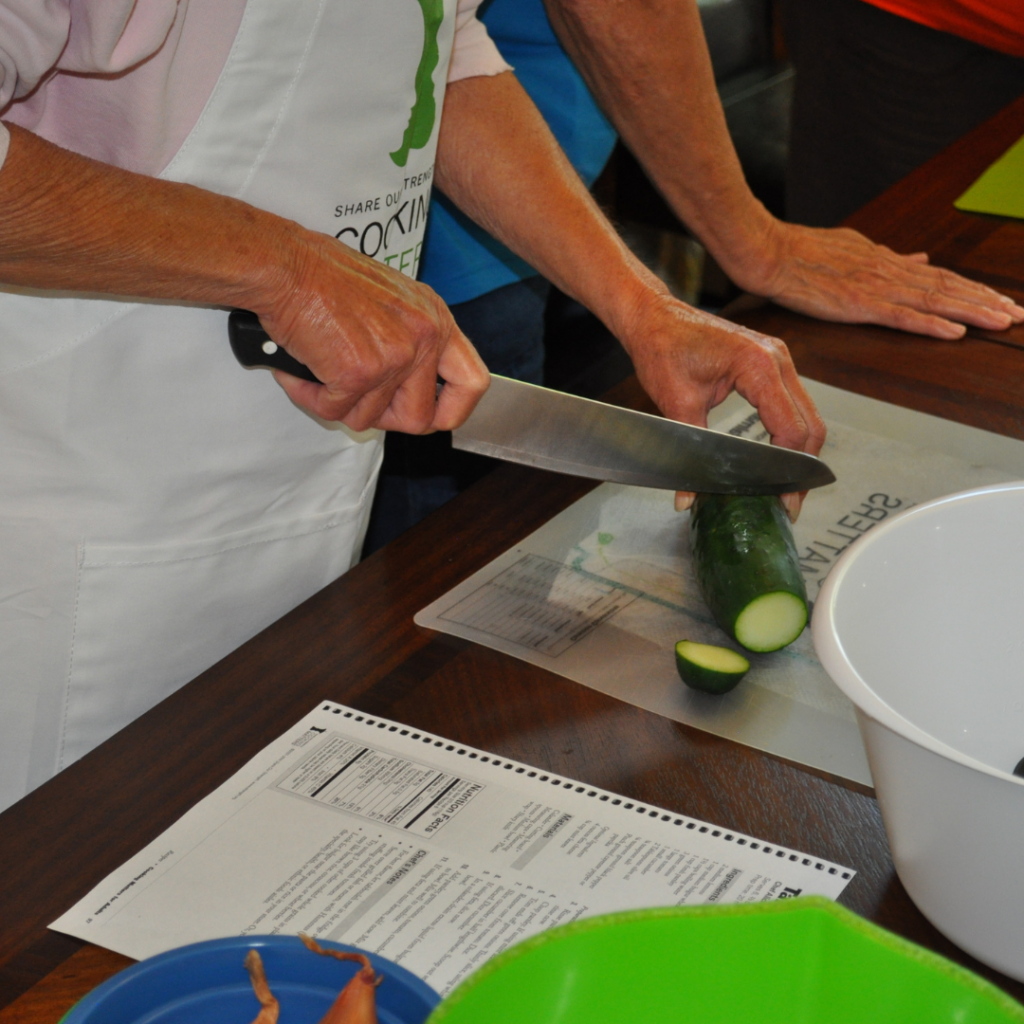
436, 855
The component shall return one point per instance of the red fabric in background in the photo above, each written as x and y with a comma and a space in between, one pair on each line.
997, 24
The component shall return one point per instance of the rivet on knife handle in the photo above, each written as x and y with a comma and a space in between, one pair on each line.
254, 347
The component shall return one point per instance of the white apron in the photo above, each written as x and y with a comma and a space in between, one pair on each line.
159, 505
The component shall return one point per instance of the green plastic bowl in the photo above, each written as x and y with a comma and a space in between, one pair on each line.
803, 961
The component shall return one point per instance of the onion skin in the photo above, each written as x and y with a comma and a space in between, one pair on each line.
356, 1003
270, 1008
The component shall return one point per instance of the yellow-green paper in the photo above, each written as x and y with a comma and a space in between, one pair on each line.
1000, 189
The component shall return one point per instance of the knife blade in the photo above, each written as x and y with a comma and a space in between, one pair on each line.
524, 423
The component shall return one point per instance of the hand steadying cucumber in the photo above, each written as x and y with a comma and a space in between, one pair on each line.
747, 569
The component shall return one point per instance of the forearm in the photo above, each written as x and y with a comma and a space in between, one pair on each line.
498, 162
72, 223
647, 63
648, 66
377, 339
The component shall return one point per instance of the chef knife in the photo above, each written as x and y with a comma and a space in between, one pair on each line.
524, 423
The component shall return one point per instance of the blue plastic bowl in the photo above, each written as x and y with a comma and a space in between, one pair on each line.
206, 983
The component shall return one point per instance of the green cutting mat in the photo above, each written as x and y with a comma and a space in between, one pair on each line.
1000, 189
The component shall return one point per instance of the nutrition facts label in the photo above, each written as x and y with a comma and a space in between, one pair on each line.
539, 604
378, 785
331, 830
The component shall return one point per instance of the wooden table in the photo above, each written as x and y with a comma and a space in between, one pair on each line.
355, 642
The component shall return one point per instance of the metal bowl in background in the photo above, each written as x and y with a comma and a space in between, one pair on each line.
921, 625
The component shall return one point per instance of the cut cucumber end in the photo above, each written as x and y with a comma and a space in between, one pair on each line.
771, 621
709, 668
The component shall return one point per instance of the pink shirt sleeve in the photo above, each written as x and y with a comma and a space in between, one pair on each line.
38, 39
85, 36
59, 61
474, 52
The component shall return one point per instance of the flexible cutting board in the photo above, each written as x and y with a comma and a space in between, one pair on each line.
601, 593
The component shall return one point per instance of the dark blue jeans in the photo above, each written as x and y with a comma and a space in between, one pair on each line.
421, 473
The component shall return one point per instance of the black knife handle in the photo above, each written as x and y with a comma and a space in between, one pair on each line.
254, 347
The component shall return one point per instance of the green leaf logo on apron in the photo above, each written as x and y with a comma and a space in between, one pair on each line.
424, 110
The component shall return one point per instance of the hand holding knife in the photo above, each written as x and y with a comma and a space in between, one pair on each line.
535, 426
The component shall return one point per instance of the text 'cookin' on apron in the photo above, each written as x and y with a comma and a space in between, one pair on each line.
160, 504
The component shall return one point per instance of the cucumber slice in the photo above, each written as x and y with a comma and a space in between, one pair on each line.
747, 569
709, 668
769, 619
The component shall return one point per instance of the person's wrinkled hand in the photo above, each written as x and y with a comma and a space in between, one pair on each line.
689, 361
838, 274
378, 341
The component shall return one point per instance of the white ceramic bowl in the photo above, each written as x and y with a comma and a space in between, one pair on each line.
921, 625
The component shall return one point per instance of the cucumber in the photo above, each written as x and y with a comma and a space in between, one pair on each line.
709, 668
747, 569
